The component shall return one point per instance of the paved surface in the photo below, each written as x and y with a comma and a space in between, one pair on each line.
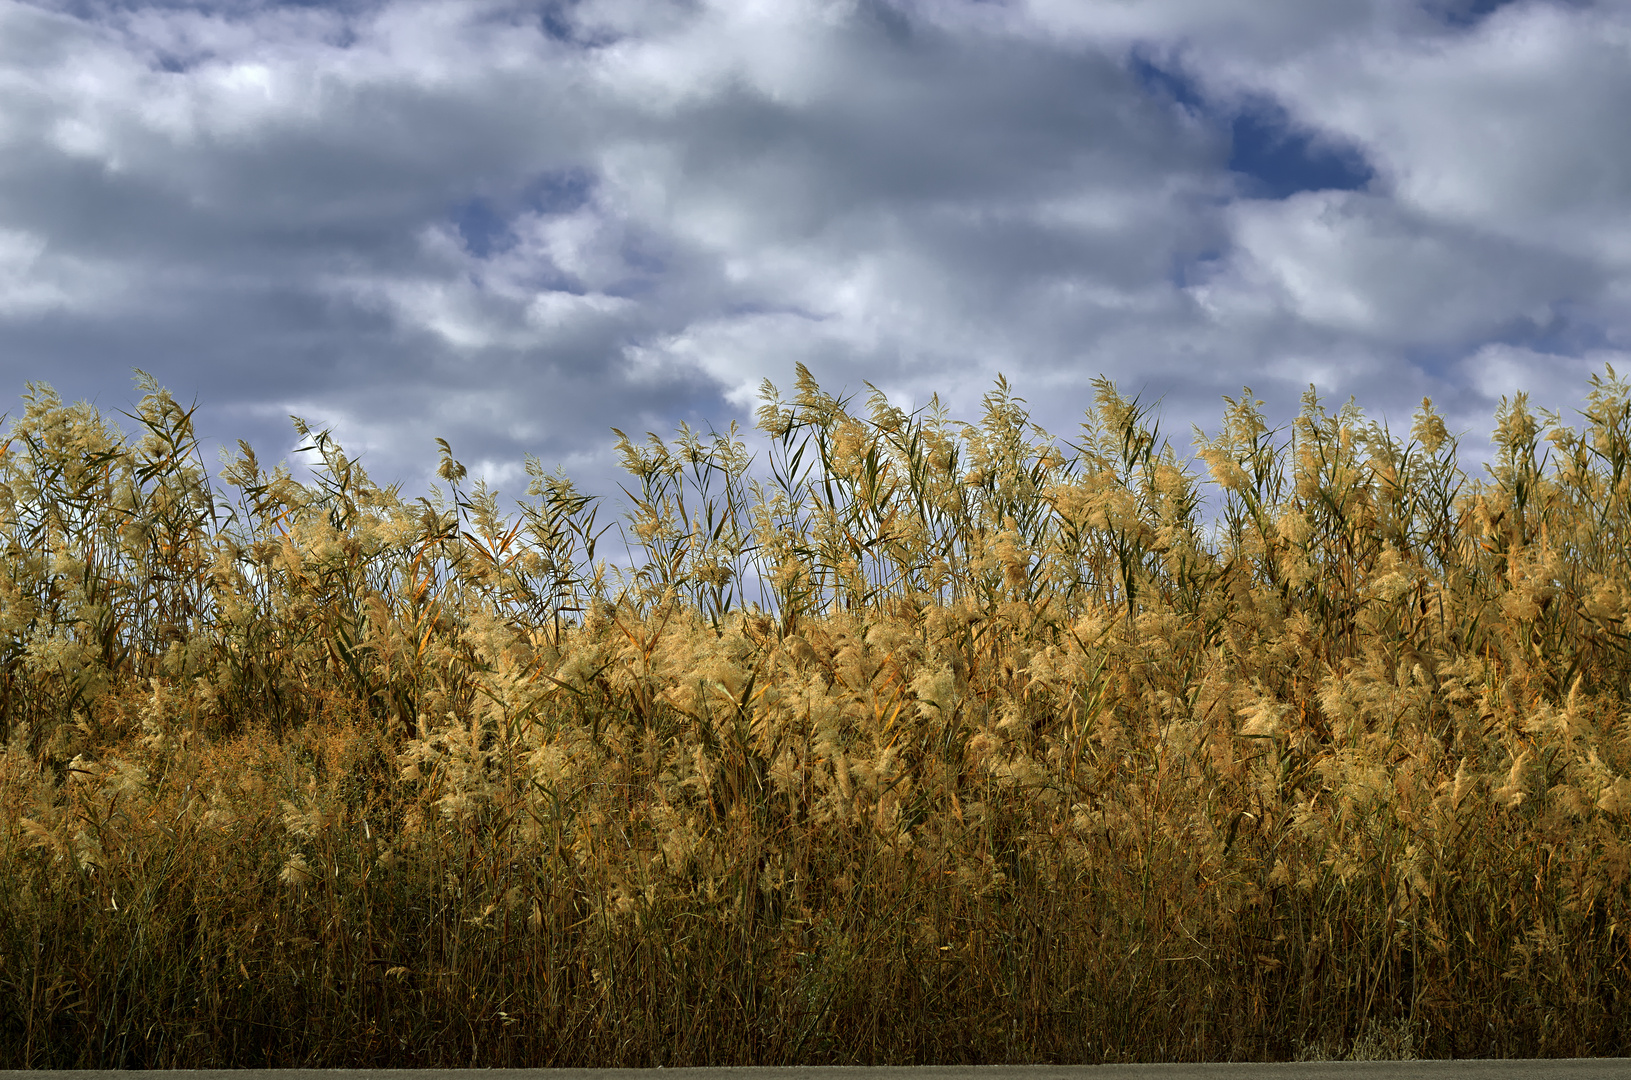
1571, 1069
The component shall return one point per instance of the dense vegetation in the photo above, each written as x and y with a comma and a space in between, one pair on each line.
918, 742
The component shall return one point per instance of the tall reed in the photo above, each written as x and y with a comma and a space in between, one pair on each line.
921, 742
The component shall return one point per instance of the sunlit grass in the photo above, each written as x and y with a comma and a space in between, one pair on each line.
917, 742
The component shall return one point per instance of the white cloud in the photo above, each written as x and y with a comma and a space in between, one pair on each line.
1501, 129
1503, 371
472, 221
1363, 264
20, 289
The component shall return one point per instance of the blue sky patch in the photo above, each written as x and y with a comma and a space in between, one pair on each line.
484, 224
1273, 159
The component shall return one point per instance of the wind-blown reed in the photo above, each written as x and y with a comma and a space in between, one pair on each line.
921, 742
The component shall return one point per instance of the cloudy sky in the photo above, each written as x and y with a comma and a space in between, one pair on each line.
516, 225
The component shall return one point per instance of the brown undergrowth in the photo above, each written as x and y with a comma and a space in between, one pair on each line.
933, 743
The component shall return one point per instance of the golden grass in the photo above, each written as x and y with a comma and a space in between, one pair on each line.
933, 743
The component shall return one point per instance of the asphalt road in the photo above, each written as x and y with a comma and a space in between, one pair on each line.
1557, 1069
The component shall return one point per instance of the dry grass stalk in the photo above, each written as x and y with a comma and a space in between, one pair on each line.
930, 743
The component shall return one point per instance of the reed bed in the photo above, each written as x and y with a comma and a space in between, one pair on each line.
917, 742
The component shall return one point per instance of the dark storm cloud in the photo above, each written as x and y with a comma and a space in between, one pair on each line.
517, 225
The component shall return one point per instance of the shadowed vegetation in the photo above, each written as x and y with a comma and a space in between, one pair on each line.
919, 742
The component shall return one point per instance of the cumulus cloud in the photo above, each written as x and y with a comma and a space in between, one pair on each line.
517, 225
